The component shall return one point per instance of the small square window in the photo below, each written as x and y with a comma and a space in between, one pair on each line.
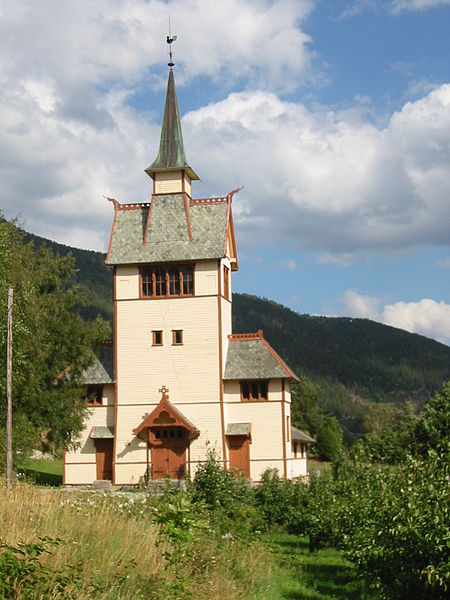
94, 395
157, 338
177, 337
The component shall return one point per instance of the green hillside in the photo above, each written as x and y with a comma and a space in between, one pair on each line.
358, 363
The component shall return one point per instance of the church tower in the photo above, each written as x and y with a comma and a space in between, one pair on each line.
179, 382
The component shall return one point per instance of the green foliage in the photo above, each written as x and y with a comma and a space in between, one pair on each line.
393, 436
305, 411
393, 523
433, 429
23, 575
329, 440
48, 336
225, 494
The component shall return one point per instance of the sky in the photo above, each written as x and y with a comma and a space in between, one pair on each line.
333, 116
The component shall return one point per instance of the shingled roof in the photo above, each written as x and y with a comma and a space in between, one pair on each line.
159, 231
250, 356
101, 371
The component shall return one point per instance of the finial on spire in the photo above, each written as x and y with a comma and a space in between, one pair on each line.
170, 40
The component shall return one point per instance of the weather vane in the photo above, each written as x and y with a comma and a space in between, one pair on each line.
170, 40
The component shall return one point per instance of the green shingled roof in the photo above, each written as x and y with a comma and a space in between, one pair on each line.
171, 149
168, 234
101, 371
300, 436
253, 359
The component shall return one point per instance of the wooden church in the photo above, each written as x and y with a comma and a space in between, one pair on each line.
176, 382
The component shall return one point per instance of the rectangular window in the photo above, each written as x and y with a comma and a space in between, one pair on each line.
94, 395
252, 391
157, 337
295, 449
226, 282
177, 337
170, 281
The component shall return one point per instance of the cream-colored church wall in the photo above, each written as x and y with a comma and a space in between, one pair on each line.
297, 467
130, 474
190, 371
257, 467
206, 417
76, 474
205, 274
265, 417
127, 282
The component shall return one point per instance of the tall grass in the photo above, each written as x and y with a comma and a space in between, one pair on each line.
110, 548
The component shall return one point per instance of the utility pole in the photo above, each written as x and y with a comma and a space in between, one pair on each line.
9, 463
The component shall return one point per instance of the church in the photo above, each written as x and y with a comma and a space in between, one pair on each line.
176, 383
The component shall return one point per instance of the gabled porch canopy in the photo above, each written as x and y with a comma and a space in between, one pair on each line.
165, 415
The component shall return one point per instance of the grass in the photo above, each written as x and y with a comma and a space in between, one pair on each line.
43, 472
322, 575
110, 548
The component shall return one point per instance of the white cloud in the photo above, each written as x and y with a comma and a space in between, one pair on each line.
327, 181
398, 6
426, 317
360, 305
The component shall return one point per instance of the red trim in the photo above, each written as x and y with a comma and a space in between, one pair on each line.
186, 210
283, 427
230, 228
217, 200
116, 379
222, 411
147, 225
116, 207
179, 419
280, 361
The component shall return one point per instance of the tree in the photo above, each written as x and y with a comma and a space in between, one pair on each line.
433, 429
48, 337
329, 440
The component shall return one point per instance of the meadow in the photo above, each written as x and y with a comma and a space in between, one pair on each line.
66, 544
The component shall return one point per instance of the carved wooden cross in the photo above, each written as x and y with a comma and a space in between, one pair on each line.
164, 390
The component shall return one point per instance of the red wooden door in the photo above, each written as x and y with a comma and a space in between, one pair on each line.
104, 457
239, 454
169, 453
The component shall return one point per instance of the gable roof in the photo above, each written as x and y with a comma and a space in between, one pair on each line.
171, 228
101, 370
165, 413
250, 356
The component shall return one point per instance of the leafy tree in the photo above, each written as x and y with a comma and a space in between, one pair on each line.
306, 413
329, 440
433, 429
48, 336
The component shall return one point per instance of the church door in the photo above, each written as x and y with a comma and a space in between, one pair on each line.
104, 456
239, 453
169, 452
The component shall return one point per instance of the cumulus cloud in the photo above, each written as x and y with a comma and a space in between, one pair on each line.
325, 180
318, 179
69, 134
426, 317
398, 6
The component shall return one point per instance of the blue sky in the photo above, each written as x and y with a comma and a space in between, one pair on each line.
334, 116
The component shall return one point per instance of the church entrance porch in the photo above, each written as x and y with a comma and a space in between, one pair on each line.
168, 434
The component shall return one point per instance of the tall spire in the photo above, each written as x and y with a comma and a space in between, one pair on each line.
171, 155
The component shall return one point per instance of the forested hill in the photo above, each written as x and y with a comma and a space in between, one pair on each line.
356, 361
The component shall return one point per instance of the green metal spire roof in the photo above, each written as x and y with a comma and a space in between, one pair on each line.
171, 155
